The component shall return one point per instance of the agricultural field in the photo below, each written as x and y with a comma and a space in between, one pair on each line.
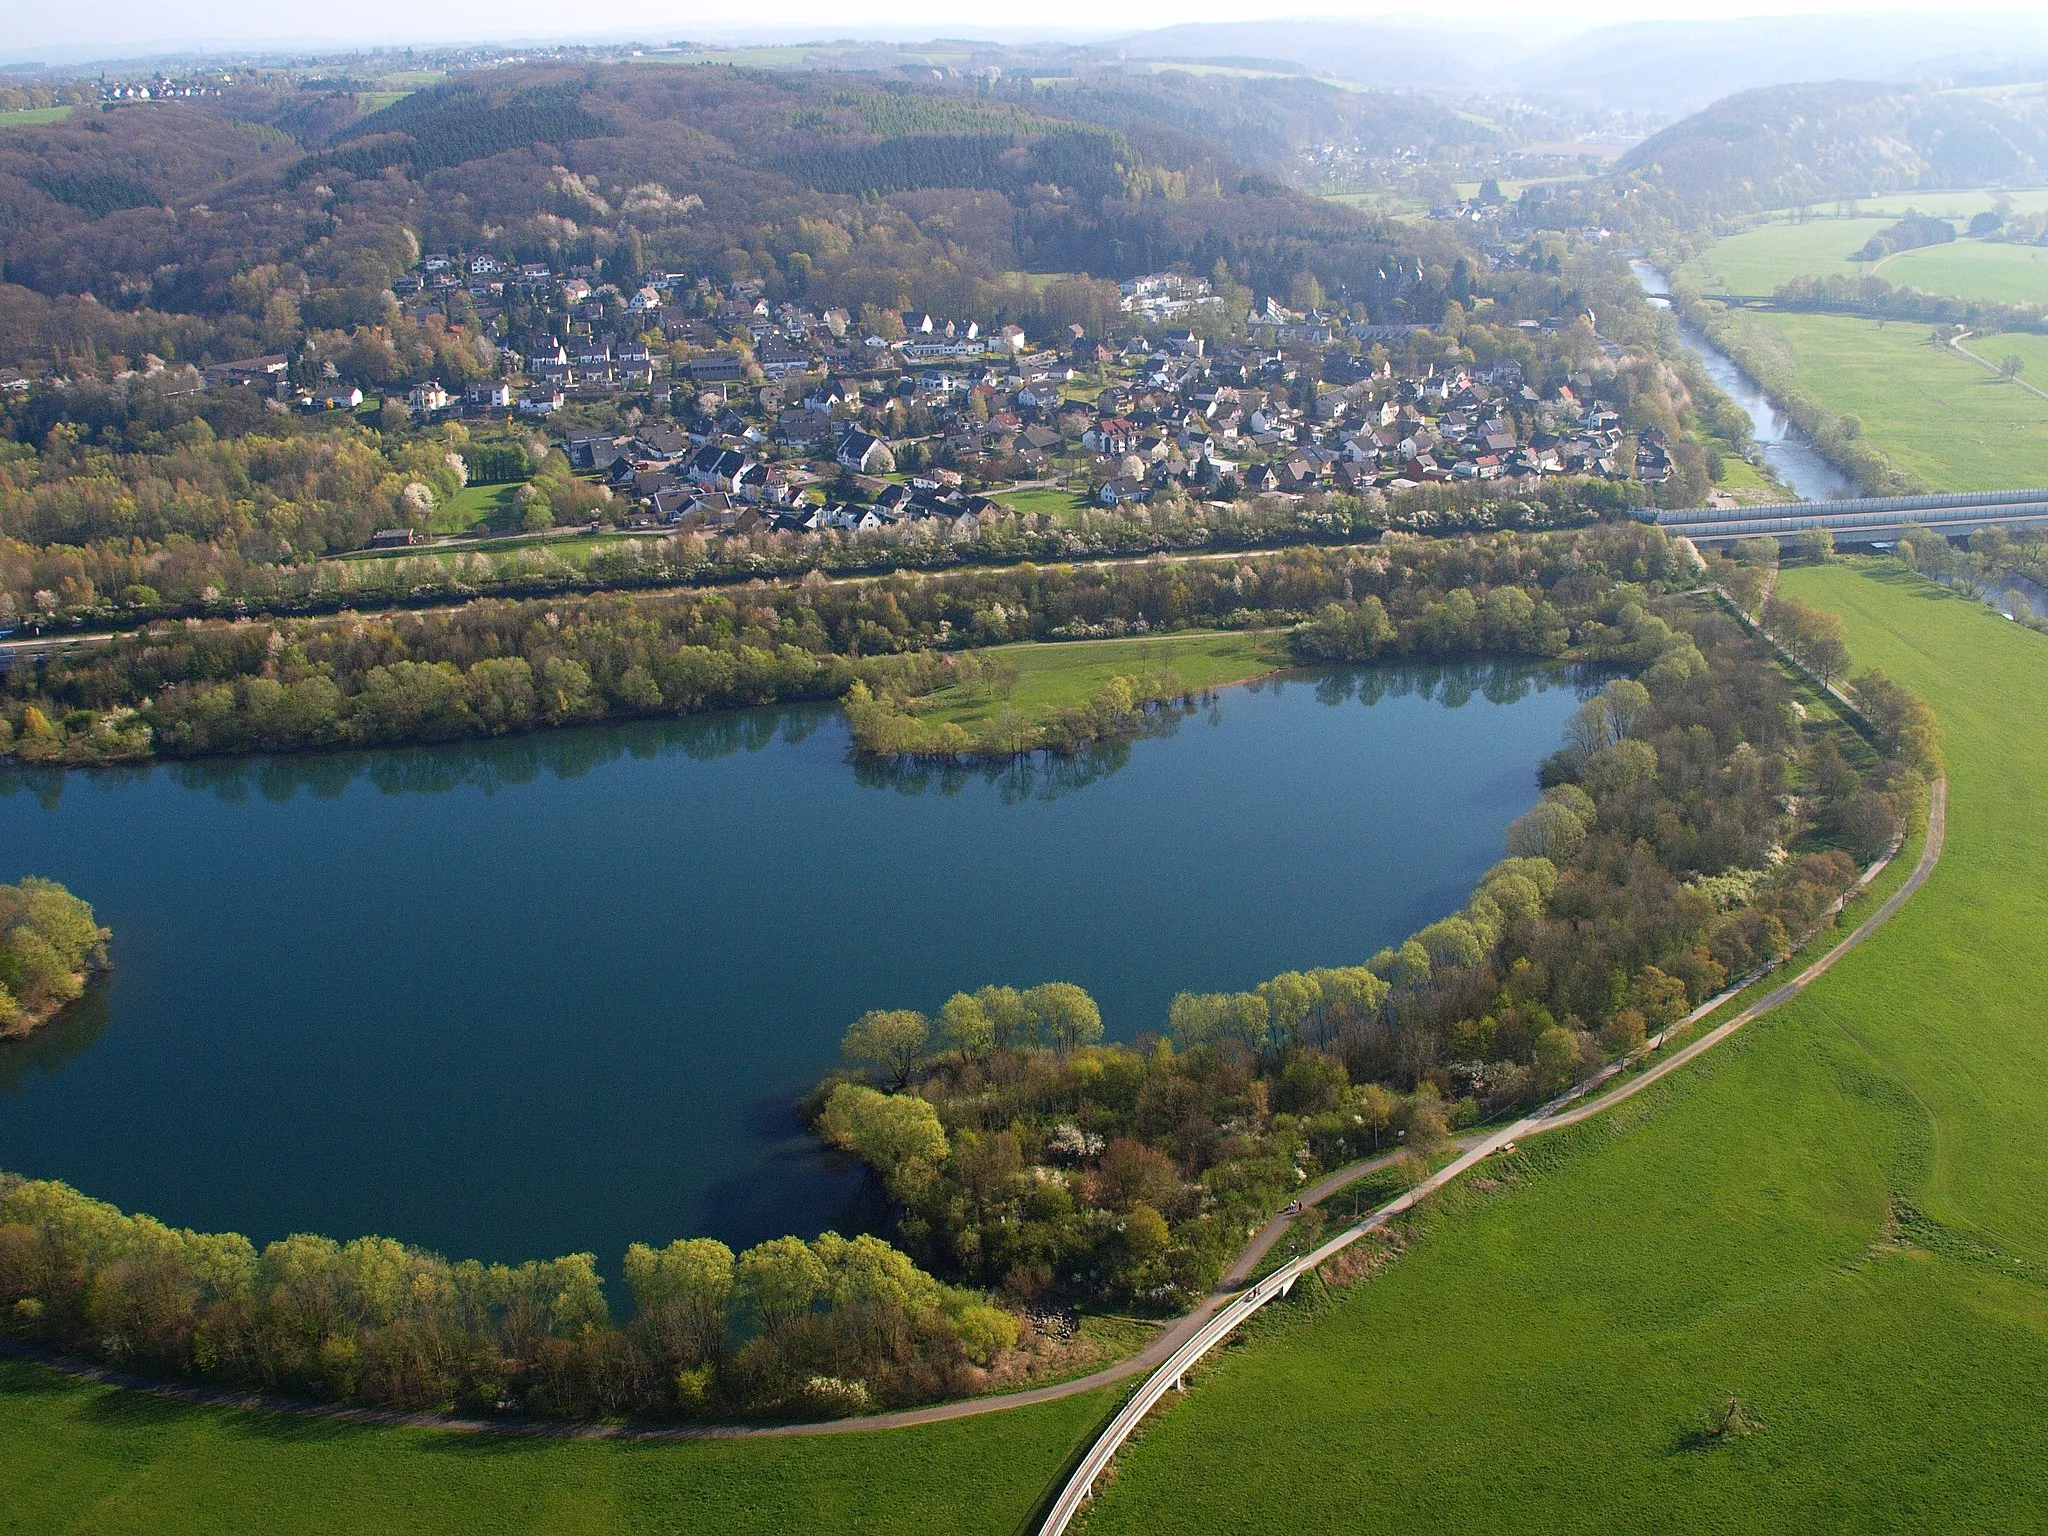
29, 117
1951, 205
1972, 269
1758, 261
1938, 415
95, 1458
1833, 1219
1054, 676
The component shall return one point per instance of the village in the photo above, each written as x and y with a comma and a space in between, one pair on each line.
710, 409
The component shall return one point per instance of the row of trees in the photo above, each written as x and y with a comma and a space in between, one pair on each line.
210, 688
786, 1329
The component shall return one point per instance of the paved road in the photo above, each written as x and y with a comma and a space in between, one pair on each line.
1569, 1109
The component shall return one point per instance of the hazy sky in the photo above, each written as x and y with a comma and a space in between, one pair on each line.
134, 27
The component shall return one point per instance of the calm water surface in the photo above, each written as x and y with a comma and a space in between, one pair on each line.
556, 994
1785, 448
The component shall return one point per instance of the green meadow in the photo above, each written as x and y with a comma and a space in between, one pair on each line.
1758, 261
1972, 269
100, 1459
1834, 1218
29, 117
1952, 422
1052, 676
490, 505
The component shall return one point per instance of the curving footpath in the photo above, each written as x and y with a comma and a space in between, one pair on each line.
1180, 1345
1567, 1109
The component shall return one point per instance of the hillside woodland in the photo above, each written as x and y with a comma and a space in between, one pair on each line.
202, 230
1788, 145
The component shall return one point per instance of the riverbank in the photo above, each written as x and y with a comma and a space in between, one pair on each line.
1791, 456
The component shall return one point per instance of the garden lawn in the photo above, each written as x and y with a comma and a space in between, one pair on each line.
1056, 675
473, 504
1047, 499
1939, 416
1820, 1217
99, 1459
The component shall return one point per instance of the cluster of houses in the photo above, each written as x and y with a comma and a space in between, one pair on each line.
759, 414
712, 480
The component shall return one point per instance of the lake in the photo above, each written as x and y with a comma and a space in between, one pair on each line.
557, 993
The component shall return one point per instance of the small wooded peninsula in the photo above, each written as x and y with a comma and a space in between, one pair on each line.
49, 947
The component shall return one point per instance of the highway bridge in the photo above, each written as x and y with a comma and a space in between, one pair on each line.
1867, 520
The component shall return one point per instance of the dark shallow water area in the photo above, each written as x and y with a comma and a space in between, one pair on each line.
557, 994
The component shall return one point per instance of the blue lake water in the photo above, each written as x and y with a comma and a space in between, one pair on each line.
558, 993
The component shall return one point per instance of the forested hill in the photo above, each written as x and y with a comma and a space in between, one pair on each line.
868, 189
1792, 144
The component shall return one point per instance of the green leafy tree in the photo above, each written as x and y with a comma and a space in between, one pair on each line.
1064, 1014
896, 1134
779, 1282
895, 1040
1557, 1059
682, 1292
966, 1027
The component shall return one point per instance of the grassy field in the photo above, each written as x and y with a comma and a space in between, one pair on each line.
473, 504
28, 117
1064, 505
1819, 1218
1051, 677
84, 1458
1940, 416
1951, 205
1973, 269
1759, 260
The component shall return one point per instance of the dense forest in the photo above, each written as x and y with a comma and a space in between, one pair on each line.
225, 213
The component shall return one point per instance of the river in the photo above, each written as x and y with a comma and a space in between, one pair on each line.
557, 994
1785, 448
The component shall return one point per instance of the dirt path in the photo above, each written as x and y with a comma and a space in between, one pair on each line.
1169, 1340
1956, 344
1580, 1104
1569, 1109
